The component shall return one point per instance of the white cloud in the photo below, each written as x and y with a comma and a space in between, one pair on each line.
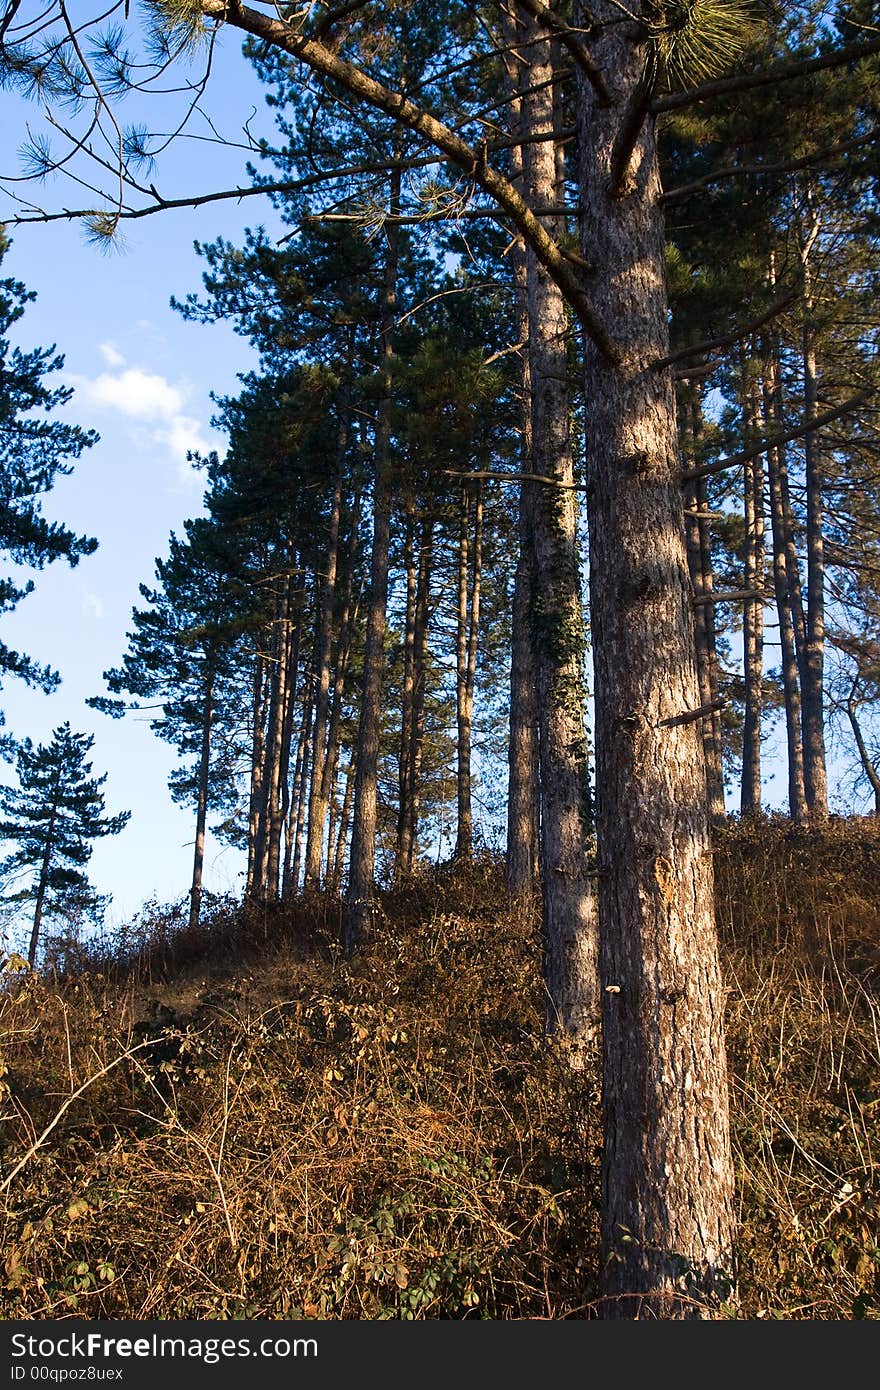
182, 435
112, 356
145, 395
149, 398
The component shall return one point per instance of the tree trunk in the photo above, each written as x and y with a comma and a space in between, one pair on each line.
291, 684
43, 882
195, 896
753, 614
331, 764
699, 555
420, 667
404, 781
473, 638
270, 785
556, 622
523, 826
342, 835
667, 1176
797, 801
255, 847
870, 770
347, 620
362, 857
318, 798
418, 574
279, 758
300, 797
813, 684
464, 837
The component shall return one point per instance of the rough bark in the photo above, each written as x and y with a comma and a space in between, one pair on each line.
667, 1180
362, 858
569, 919
699, 556
797, 800
523, 820
715, 764
753, 616
813, 682
317, 797
464, 832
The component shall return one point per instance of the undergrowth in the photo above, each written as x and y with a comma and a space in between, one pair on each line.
239, 1123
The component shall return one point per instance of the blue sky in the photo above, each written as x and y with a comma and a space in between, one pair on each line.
142, 378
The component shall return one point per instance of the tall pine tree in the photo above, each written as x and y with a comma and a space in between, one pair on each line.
34, 450
54, 816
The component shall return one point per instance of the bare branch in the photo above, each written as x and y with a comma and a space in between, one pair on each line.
677, 195
692, 715
9, 16
571, 39
729, 596
415, 219
707, 470
515, 477
631, 126
716, 344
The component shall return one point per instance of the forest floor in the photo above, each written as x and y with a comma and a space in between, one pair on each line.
238, 1123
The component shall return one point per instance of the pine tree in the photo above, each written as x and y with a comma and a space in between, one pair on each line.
54, 816
182, 653
34, 450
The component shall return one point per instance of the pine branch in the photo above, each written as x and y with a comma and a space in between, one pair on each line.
416, 219
781, 72
195, 200
406, 113
333, 17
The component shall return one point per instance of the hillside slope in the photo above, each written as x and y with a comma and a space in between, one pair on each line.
245, 1125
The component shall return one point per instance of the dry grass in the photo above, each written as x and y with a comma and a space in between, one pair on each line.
264, 1130
801, 936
